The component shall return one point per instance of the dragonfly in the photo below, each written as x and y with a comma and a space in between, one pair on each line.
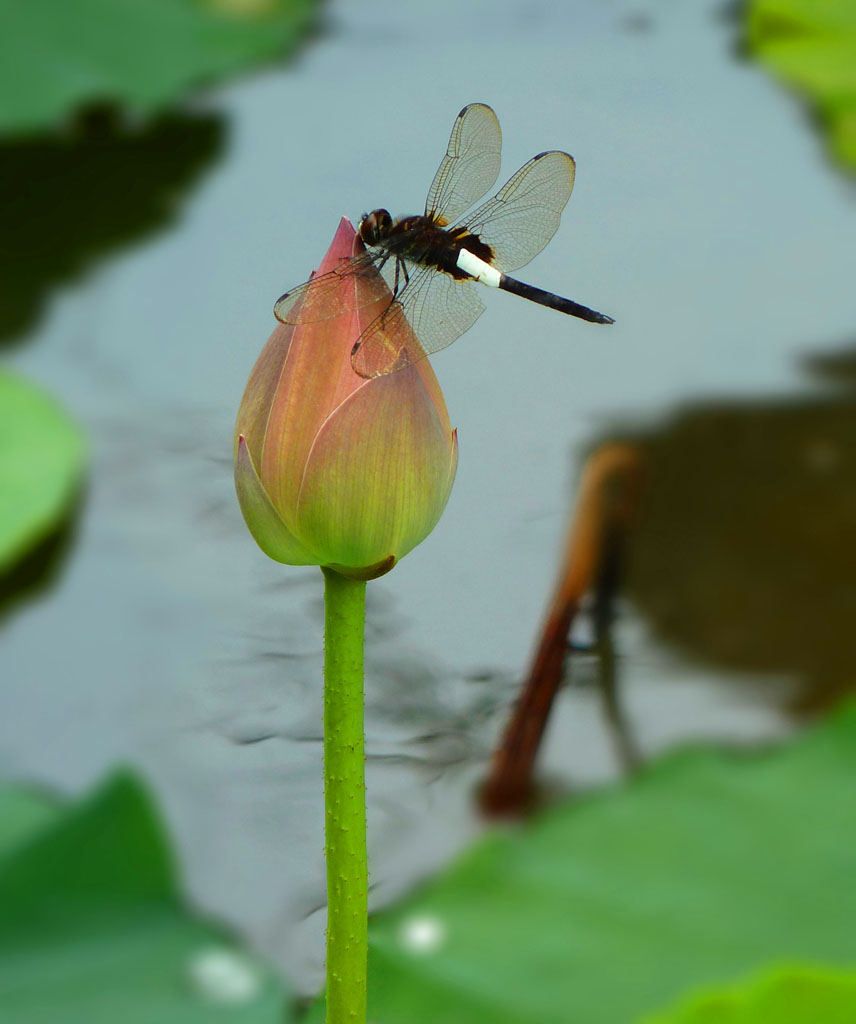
432, 264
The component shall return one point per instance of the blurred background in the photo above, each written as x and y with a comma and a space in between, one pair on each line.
169, 169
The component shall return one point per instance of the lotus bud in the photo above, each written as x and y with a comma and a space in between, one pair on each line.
332, 469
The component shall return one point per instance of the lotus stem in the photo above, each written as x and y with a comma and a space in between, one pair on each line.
345, 799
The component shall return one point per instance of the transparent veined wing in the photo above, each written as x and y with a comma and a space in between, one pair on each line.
470, 167
524, 215
339, 291
432, 310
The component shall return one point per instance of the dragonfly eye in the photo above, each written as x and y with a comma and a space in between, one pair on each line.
374, 226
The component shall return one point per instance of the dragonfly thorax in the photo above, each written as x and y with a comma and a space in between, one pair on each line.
375, 226
421, 240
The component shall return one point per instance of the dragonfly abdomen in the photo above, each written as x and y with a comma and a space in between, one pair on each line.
451, 255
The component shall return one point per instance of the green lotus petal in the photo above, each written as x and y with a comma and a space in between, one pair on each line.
262, 519
378, 476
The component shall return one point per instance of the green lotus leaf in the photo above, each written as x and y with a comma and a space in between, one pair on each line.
23, 812
705, 867
41, 461
785, 995
59, 55
811, 45
93, 930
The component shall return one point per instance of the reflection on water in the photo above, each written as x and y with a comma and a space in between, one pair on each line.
744, 553
80, 196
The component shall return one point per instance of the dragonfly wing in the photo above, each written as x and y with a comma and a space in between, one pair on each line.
470, 167
352, 285
432, 311
524, 215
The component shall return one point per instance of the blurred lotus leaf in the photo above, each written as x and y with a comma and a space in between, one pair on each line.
23, 812
92, 928
707, 865
41, 460
788, 995
811, 45
58, 55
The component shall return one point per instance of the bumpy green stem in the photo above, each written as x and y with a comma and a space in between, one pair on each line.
345, 799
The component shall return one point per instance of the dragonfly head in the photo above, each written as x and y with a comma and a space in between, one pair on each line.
375, 226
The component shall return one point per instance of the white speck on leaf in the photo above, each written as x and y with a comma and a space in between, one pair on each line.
423, 934
223, 976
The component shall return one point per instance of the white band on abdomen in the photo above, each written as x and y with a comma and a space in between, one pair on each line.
477, 268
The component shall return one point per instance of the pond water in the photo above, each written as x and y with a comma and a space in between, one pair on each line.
704, 219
